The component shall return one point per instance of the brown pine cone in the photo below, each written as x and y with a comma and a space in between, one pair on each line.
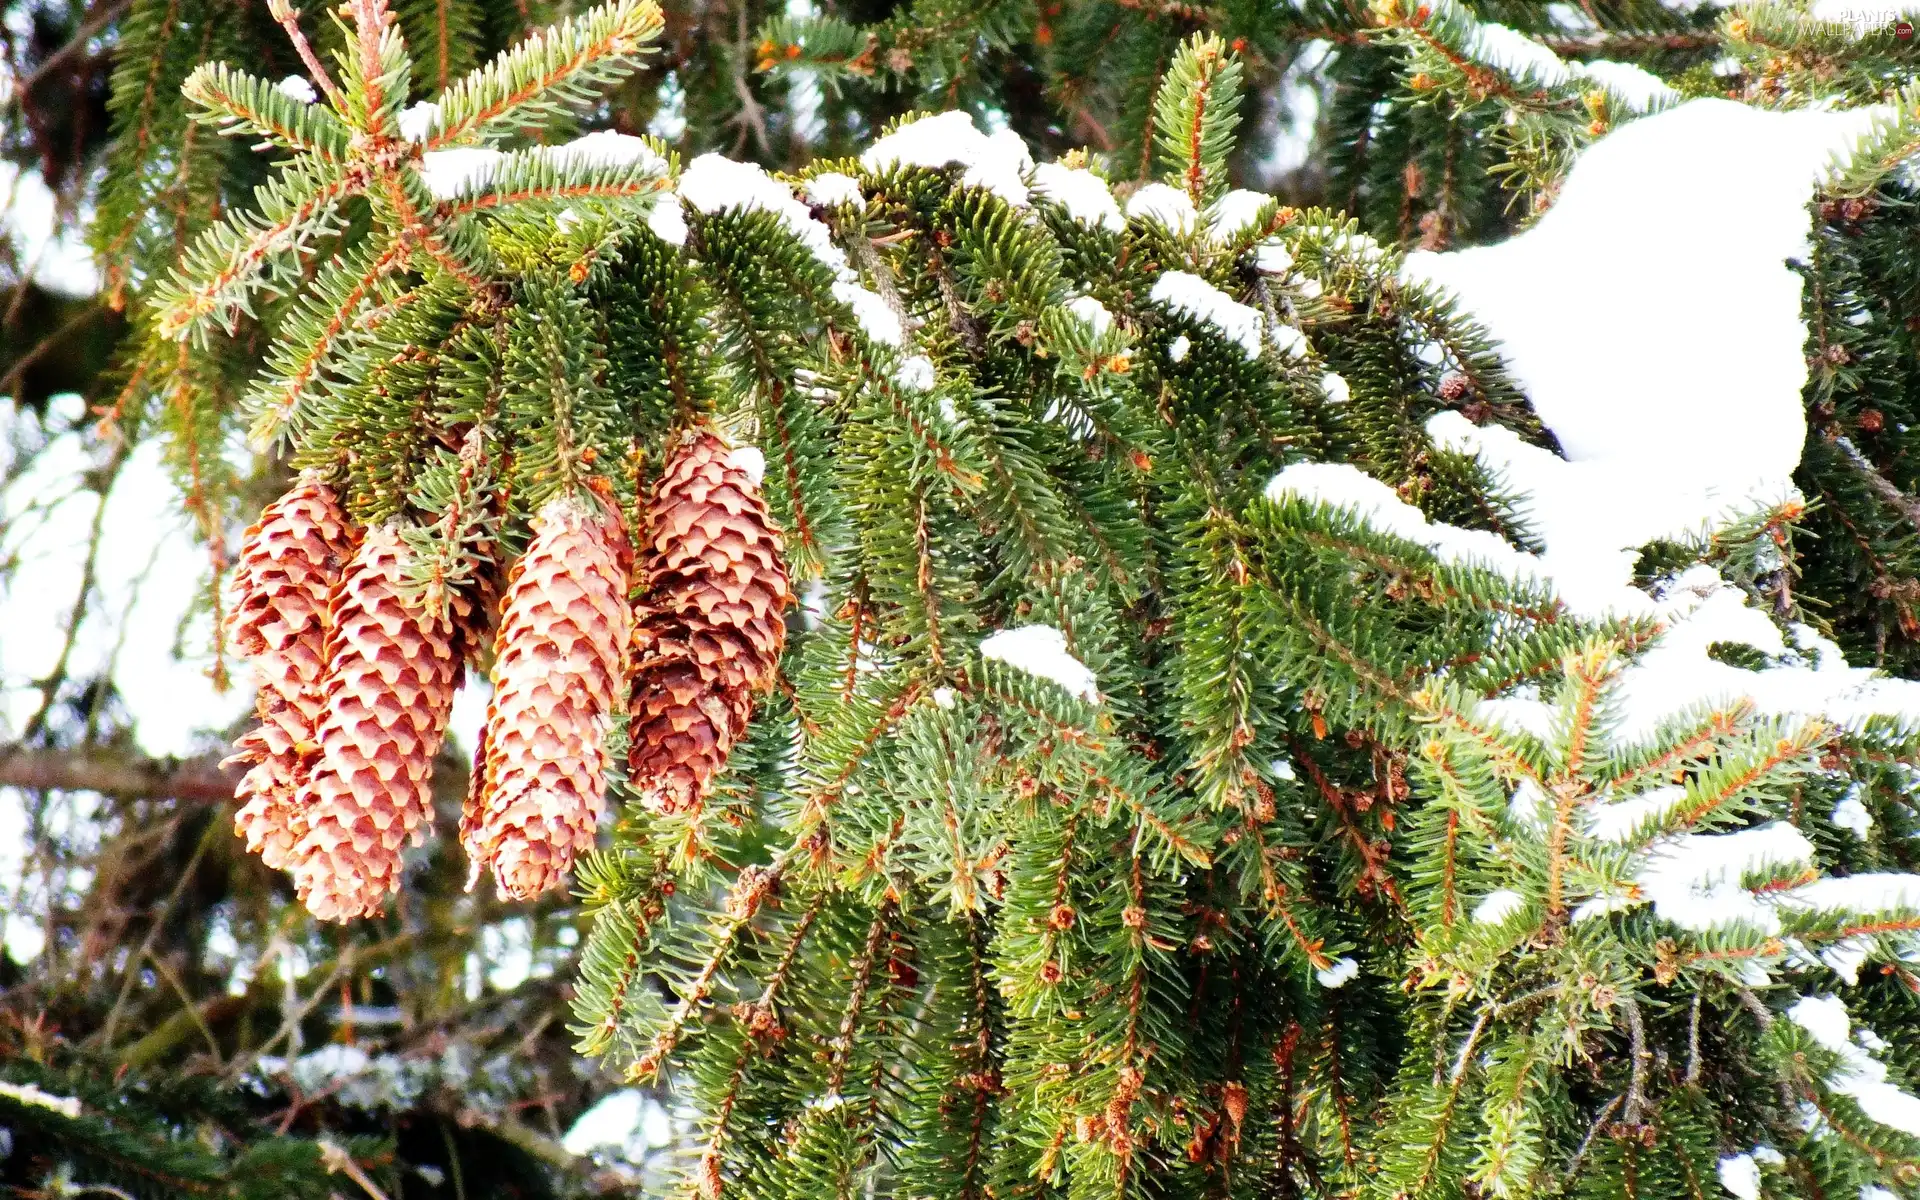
559, 662
391, 674
289, 564
709, 629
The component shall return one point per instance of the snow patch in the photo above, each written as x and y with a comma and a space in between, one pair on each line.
1851, 814
1194, 297
1859, 1075
606, 148
1637, 88
666, 219
1271, 258
751, 460
1613, 364
296, 87
462, 170
833, 189
916, 374
1041, 650
1082, 193
1167, 206
996, 161
1232, 214
1338, 974
875, 316
418, 122
29, 1093
1740, 1175
713, 183
1497, 906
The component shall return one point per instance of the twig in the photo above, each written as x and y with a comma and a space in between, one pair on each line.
1760, 1011
1881, 485
81, 36
153, 932
1573, 1167
288, 18
1637, 1084
334, 1157
1693, 1044
180, 989
110, 773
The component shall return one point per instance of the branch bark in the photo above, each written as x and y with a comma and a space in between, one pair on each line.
112, 773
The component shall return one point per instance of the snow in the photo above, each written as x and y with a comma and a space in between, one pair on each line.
1639, 89
1693, 880
1194, 297
1338, 974
1859, 1075
1340, 485
29, 1093
1336, 388
667, 220
1289, 341
713, 183
1167, 206
607, 148
462, 170
1093, 313
1613, 363
418, 123
875, 316
751, 460
1082, 193
1869, 894
1740, 1175
1851, 814
1518, 55
1179, 348
1271, 258
996, 161
1497, 906
1232, 214
296, 87
916, 374
1041, 650
1616, 821
833, 189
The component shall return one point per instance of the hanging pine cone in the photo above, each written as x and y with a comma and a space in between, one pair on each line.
391, 674
558, 665
289, 563
709, 630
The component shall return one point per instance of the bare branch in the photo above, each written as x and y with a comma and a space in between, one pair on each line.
197, 780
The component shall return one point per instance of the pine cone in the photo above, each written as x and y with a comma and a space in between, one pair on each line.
391, 674
709, 630
289, 563
558, 665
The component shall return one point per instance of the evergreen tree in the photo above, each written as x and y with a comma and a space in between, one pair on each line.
1113, 708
